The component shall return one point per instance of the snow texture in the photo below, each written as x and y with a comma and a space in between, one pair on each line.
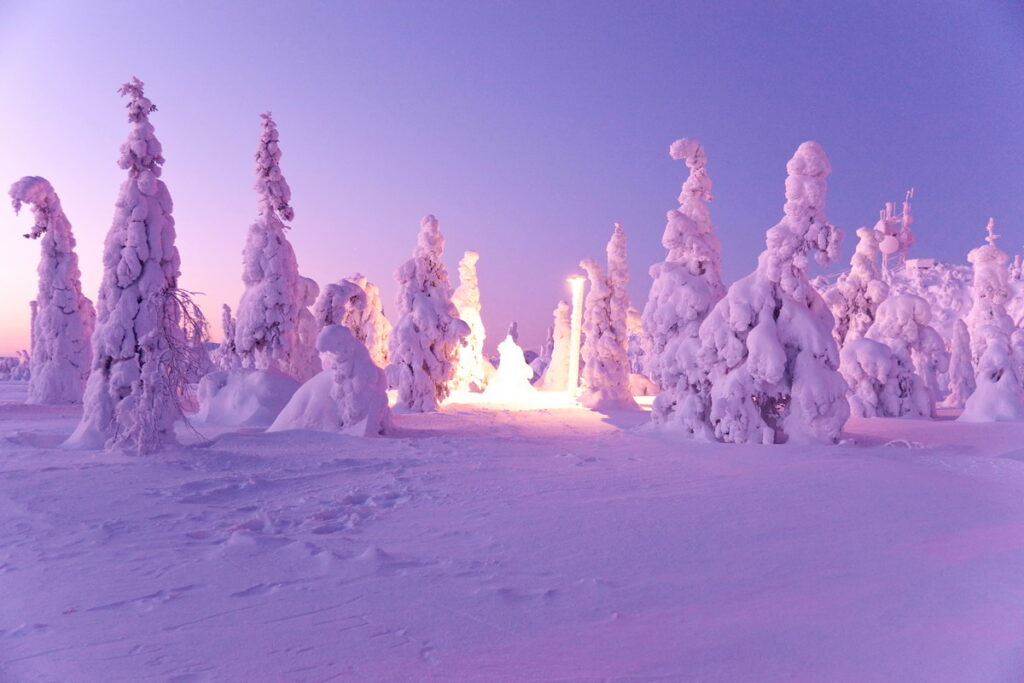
62, 317
137, 380
771, 361
424, 343
471, 368
350, 397
998, 393
605, 376
556, 373
268, 334
244, 397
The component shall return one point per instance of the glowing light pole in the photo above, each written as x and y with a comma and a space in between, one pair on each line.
575, 334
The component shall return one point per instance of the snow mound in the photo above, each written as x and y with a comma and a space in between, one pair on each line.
243, 397
350, 397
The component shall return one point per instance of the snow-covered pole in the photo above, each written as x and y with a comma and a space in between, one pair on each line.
576, 282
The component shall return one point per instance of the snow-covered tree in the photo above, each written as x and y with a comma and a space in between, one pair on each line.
685, 285
961, 371
138, 347
511, 381
338, 301
556, 373
62, 317
858, 292
635, 342
349, 397
606, 366
226, 355
901, 323
998, 394
880, 385
470, 372
424, 343
767, 347
369, 324
267, 332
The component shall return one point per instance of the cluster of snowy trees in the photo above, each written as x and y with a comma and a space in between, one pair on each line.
772, 358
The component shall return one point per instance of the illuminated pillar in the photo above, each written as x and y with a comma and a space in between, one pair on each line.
575, 334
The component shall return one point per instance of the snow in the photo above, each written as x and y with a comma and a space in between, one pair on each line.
243, 397
556, 371
488, 544
511, 381
350, 397
62, 317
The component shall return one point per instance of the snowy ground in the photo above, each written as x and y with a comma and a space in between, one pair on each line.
485, 544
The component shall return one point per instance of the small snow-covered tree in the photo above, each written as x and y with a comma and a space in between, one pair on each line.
556, 373
901, 323
880, 385
470, 373
961, 371
62, 317
857, 293
635, 341
424, 343
686, 284
337, 301
369, 324
138, 347
606, 366
511, 381
998, 392
349, 397
771, 361
267, 332
226, 356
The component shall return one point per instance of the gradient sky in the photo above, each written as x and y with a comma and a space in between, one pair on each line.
527, 128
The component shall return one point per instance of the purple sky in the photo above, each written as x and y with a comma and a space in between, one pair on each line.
527, 128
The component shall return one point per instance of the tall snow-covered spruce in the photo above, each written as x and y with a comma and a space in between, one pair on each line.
857, 294
62, 317
556, 372
268, 334
138, 348
998, 394
606, 365
470, 371
767, 346
424, 342
686, 286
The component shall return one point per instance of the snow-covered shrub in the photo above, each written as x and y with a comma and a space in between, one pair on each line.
998, 393
267, 333
880, 384
368, 324
556, 373
226, 357
511, 381
138, 347
304, 362
16, 369
350, 397
901, 323
686, 285
62, 317
543, 359
636, 340
772, 363
244, 397
858, 292
961, 371
470, 372
424, 343
605, 364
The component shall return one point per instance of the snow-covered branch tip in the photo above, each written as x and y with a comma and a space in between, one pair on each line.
139, 106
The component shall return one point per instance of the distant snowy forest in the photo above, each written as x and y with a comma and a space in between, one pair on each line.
777, 356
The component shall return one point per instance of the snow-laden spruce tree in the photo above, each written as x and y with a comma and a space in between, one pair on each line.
998, 394
606, 366
470, 372
369, 324
267, 334
767, 347
686, 285
961, 371
878, 382
556, 374
858, 292
424, 342
902, 324
62, 317
349, 397
139, 350
225, 356
511, 381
